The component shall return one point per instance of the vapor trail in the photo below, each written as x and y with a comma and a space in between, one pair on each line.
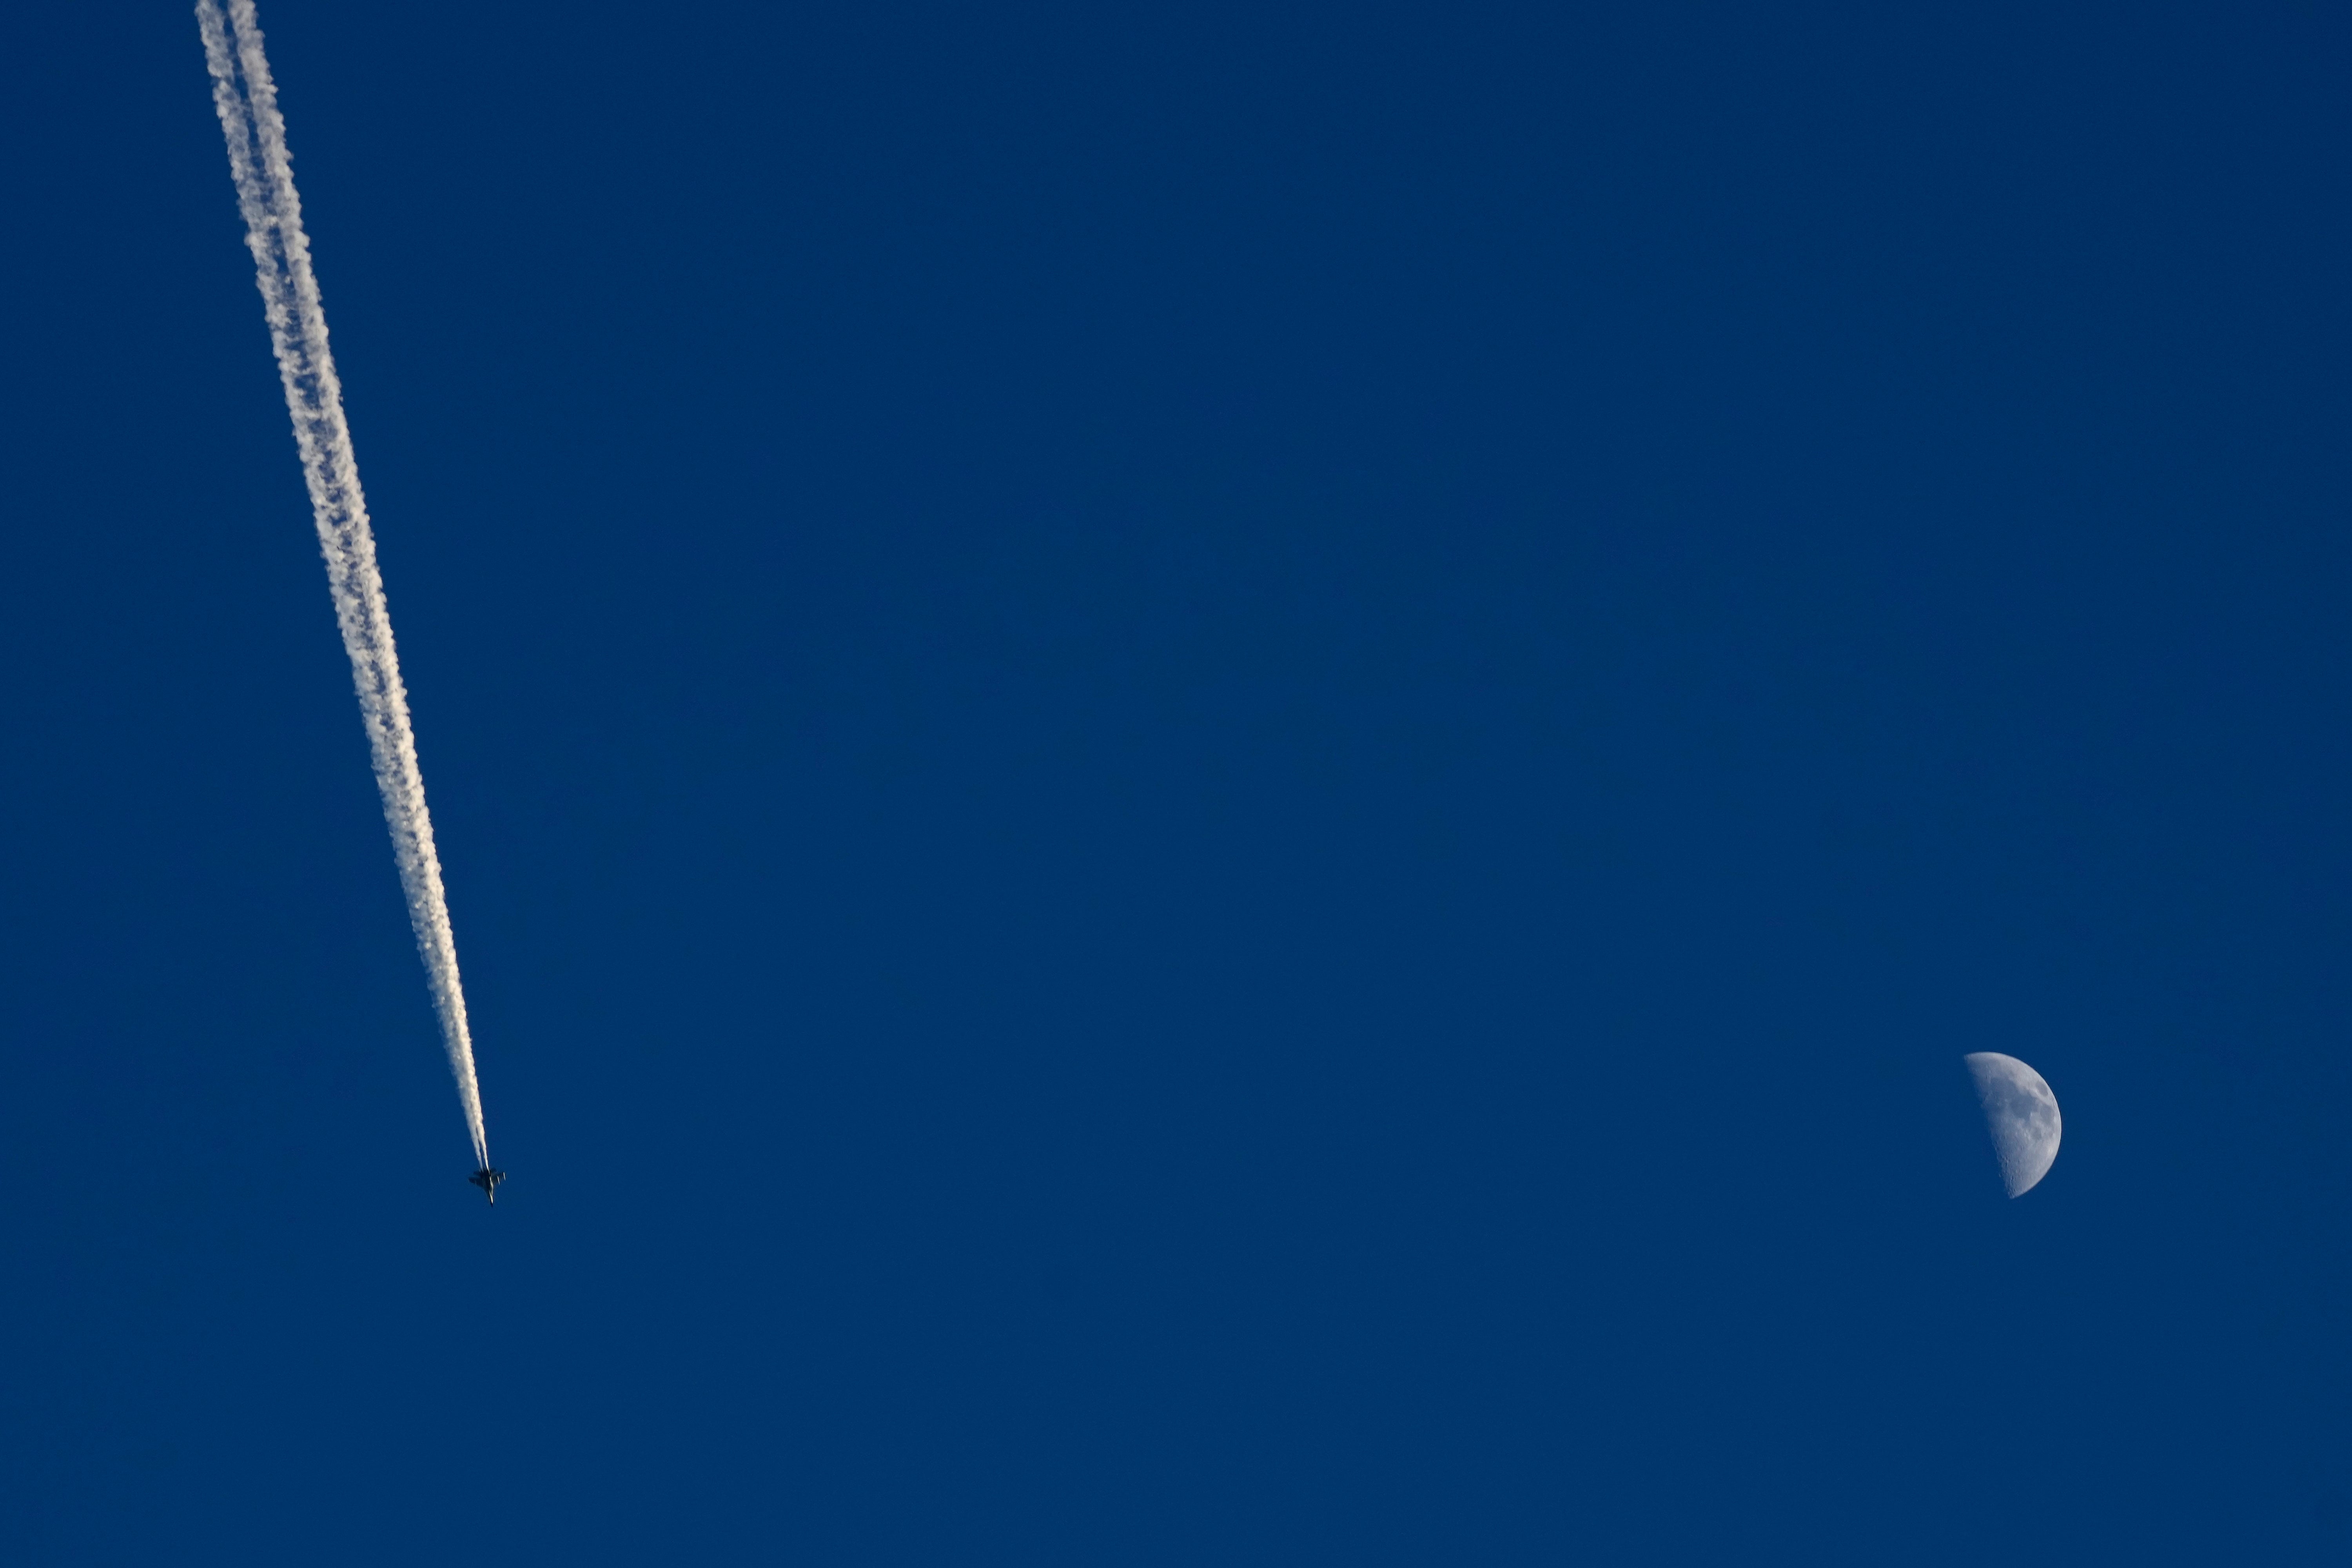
264, 173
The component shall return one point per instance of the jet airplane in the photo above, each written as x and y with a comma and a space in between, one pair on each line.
487, 1180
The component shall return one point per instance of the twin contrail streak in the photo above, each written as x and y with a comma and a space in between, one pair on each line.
264, 173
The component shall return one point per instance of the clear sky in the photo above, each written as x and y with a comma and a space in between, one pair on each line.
1221, 784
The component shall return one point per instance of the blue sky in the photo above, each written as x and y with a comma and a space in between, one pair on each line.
1220, 784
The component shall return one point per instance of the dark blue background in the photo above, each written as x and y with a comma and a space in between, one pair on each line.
1221, 784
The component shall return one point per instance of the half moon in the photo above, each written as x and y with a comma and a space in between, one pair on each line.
2020, 1113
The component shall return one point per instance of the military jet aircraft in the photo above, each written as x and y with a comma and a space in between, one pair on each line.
487, 1180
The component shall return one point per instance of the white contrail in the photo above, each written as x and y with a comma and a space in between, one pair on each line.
258, 162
